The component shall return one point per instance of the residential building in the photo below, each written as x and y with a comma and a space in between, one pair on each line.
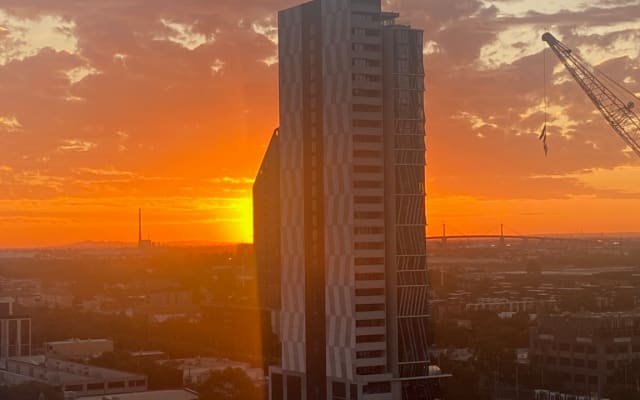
583, 351
354, 310
15, 332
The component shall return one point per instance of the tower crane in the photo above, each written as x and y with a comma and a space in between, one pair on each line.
620, 115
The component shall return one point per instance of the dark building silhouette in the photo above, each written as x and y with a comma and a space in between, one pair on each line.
354, 310
266, 227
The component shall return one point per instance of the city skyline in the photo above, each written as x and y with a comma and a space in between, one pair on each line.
155, 106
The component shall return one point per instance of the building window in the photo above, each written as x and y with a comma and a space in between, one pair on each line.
367, 154
365, 63
370, 292
370, 323
367, 199
369, 261
370, 338
367, 108
360, 138
366, 123
369, 307
369, 246
370, 277
367, 214
367, 185
370, 354
368, 230
367, 169
370, 370
366, 92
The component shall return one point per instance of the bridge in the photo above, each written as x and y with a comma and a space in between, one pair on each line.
502, 238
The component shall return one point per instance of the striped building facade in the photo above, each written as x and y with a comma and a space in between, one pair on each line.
353, 317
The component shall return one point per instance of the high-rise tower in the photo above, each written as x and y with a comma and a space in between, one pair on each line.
354, 314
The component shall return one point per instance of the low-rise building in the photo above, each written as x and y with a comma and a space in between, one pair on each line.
78, 349
529, 305
72, 377
197, 370
178, 394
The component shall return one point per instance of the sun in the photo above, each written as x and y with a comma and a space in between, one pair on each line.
244, 224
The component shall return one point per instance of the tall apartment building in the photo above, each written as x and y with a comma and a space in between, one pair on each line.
353, 313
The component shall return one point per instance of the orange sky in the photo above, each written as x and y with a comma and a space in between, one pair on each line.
169, 106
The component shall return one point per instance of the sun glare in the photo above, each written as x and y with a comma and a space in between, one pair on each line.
244, 224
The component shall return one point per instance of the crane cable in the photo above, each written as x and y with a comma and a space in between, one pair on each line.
604, 75
616, 83
543, 134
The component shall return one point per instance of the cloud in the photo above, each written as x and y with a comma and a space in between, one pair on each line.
76, 145
77, 74
184, 35
10, 124
431, 47
267, 28
217, 65
24, 37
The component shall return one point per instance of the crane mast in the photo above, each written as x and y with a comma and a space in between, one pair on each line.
619, 115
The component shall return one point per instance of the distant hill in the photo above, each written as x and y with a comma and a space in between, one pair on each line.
91, 244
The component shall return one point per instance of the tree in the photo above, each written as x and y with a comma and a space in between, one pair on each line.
229, 384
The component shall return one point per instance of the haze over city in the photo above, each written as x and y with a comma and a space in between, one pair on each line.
319, 200
169, 106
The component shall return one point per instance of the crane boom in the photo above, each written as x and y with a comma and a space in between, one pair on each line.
619, 115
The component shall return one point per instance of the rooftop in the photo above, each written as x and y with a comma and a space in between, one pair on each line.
62, 371
75, 340
180, 394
